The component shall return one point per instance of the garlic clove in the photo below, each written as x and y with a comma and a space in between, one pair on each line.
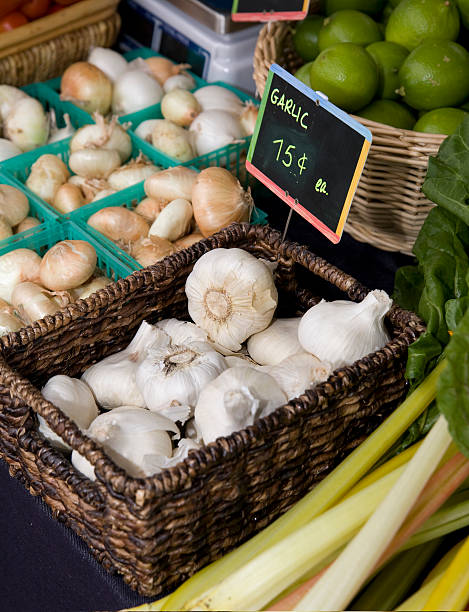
276, 342
234, 400
231, 295
343, 331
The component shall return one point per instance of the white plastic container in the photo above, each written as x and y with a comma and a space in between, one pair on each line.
213, 52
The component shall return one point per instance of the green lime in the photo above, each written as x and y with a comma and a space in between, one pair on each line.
305, 38
389, 112
416, 21
463, 6
388, 9
348, 26
394, 3
347, 74
371, 7
434, 75
389, 57
302, 74
440, 121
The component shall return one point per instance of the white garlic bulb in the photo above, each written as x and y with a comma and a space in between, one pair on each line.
127, 434
152, 464
112, 379
341, 332
234, 400
171, 378
231, 295
75, 400
297, 373
182, 332
276, 343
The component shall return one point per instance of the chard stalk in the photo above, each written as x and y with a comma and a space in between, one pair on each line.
356, 562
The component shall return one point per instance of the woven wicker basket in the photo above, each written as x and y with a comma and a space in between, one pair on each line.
158, 531
42, 49
389, 208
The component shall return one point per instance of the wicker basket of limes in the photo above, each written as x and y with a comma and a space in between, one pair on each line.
402, 68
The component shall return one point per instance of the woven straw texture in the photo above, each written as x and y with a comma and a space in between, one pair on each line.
389, 208
158, 531
49, 59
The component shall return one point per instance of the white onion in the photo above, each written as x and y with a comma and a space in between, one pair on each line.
94, 163
172, 183
47, 174
214, 129
131, 173
9, 97
15, 267
109, 61
248, 119
27, 125
215, 97
103, 135
135, 90
8, 149
145, 129
172, 140
179, 81
56, 134
180, 107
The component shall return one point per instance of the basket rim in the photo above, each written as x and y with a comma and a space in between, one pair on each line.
199, 461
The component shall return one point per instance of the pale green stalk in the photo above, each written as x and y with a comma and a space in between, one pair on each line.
322, 497
344, 578
263, 578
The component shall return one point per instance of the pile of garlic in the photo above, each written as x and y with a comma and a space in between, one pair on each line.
32, 286
24, 124
98, 156
198, 123
182, 206
14, 209
217, 374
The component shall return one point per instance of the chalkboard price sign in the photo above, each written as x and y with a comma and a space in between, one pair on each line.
273, 10
308, 152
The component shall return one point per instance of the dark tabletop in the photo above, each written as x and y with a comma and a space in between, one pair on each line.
44, 566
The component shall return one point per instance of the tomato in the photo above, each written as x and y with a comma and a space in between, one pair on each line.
66, 2
12, 21
8, 6
35, 8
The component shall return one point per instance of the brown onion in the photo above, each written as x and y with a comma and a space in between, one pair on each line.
162, 68
26, 224
187, 241
119, 223
150, 208
67, 265
88, 87
148, 252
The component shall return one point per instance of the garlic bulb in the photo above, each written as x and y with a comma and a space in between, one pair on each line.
119, 223
127, 435
182, 332
234, 400
218, 200
170, 184
148, 251
297, 373
171, 378
75, 400
112, 379
231, 295
276, 343
341, 332
67, 265
174, 221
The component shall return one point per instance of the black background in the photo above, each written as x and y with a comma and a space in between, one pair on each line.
251, 6
332, 149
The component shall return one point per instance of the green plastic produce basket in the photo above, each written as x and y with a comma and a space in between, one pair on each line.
129, 199
17, 169
36, 210
43, 237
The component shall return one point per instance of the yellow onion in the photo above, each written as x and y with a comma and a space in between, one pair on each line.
88, 87
67, 265
170, 184
33, 301
15, 267
150, 208
180, 106
5, 228
119, 223
14, 205
26, 224
187, 241
47, 174
148, 251
162, 68
218, 200
68, 197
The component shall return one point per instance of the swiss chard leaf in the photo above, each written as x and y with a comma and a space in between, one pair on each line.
453, 386
408, 287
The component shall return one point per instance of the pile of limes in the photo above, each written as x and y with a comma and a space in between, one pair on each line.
401, 62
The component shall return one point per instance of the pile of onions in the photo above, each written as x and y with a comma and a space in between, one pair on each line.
107, 81
182, 207
14, 209
98, 156
32, 287
198, 123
